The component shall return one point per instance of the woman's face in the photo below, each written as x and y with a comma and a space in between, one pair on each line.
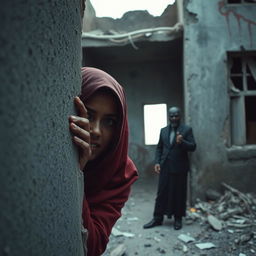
103, 116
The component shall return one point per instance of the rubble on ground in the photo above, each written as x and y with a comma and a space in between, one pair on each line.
227, 227
119, 250
233, 212
116, 232
186, 238
233, 209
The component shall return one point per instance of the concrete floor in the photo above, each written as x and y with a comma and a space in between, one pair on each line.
138, 211
163, 240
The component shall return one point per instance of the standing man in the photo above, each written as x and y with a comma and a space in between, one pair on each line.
172, 165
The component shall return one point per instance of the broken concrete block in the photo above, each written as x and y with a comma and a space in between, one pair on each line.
221, 207
119, 250
186, 238
214, 222
203, 246
157, 239
245, 238
116, 232
185, 248
212, 195
240, 221
132, 218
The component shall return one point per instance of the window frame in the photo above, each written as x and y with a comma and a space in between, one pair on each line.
238, 122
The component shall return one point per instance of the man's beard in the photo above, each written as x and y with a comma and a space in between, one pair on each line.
175, 124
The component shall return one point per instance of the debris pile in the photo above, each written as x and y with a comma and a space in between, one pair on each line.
233, 213
234, 209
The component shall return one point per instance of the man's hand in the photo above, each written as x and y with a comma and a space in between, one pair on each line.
157, 168
80, 127
179, 138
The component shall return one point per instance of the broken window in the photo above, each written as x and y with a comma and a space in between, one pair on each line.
242, 88
155, 118
241, 1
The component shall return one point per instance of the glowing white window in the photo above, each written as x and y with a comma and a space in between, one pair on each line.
155, 118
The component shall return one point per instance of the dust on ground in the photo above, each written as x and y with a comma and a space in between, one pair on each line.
216, 236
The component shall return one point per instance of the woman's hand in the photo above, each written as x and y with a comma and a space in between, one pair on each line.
80, 128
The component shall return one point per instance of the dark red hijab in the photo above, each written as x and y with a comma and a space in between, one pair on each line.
108, 179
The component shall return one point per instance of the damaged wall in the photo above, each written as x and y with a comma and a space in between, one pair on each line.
146, 83
213, 28
89, 20
147, 65
130, 21
39, 178
150, 75
157, 79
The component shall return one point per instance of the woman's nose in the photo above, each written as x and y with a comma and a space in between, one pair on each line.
95, 128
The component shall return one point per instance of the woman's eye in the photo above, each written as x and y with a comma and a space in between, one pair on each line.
89, 116
109, 122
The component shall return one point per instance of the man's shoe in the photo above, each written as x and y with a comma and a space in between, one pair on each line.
153, 223
177, 224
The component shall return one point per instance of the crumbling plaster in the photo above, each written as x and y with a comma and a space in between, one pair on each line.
213, 30
148, 65
147, 83
130, 21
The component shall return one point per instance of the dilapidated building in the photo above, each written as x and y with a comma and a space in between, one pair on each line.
220, 90
199, 55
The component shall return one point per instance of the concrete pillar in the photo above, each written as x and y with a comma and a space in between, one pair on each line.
40, 59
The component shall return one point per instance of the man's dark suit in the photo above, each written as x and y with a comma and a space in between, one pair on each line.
174, 163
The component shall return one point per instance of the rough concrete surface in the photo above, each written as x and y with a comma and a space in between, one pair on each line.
163, 240
213, 29
40, 61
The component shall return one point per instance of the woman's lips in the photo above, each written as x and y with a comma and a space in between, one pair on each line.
94, 145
